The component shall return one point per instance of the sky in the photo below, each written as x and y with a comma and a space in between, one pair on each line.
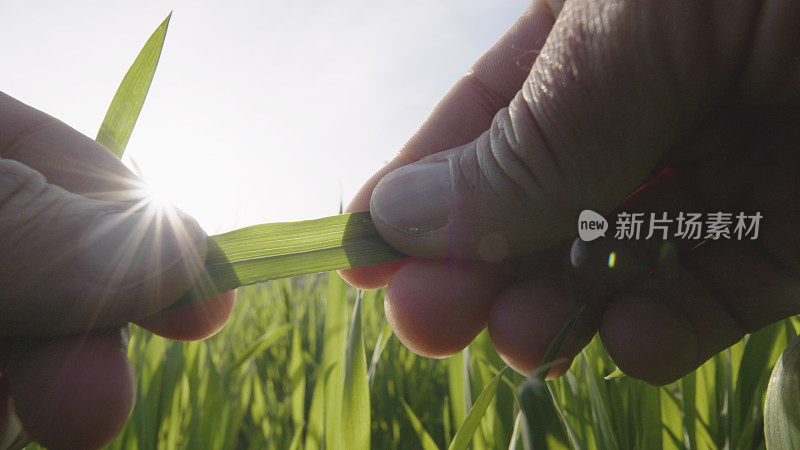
260, 111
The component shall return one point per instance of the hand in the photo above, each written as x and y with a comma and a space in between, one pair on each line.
82, 253
577, 108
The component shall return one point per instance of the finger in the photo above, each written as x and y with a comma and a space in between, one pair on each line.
467, 109
80, 165
192, 322
659, 331
69, 263
659, 322
372, 277
648, 340
72, 392
614, 88
436, 308
528, 314
666, 316
65, 157
464, 113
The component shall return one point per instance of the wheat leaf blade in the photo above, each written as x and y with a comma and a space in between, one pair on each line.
279, 250
123, 112
355, 397
467, 429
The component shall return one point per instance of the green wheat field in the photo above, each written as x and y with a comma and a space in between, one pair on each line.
277, 377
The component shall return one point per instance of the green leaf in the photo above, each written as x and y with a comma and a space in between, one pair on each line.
333, 359
257, 253
689, 397
467, 429
458, 386
316, 412
129, 99
617, 373
600, 416
296, 438
355, 400
752, 374
297, 379
542, 426
261, 344
549, 358
781, 418
648, 407
380, 346
425, 439
574, 438
277, 250
671, 419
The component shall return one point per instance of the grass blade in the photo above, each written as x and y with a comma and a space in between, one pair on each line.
425, 439
380, 346
671, 420
572, 434
257, 253
515, 434
467, 429
278, 250
128, 101
355, 400
458, 387
260, 345
751, 375
541, 425
648, 407
600, 415
296, 439
333, 359
556, 345
297, 380
316, 414
781, 421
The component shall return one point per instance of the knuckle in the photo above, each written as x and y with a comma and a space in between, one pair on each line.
517, 163
18, 180
483, 95
23, 200
509, 144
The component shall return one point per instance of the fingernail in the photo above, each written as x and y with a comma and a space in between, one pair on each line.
578, 253
415, 199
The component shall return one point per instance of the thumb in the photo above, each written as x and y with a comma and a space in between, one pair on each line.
69, 263
616, 85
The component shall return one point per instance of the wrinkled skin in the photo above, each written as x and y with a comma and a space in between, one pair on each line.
579, 105
81, 255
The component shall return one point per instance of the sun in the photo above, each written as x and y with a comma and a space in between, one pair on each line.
153, 199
